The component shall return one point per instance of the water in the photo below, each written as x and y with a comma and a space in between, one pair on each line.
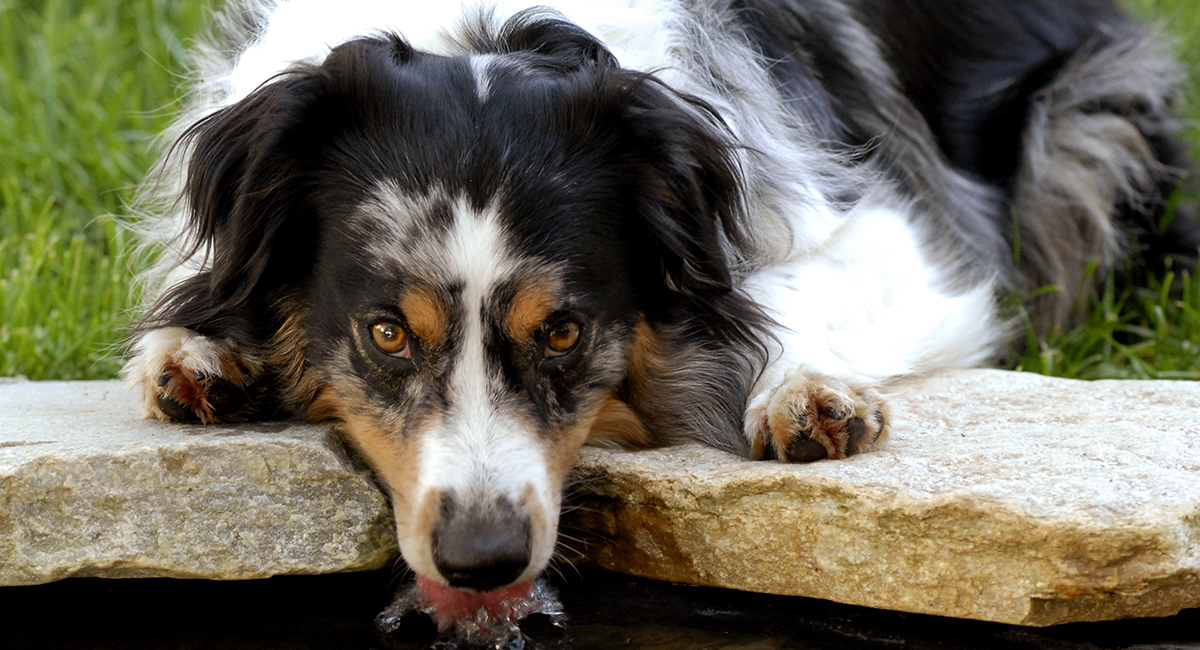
603, 610
502, 631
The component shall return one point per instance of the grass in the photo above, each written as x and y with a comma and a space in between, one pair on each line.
1149, 330
84, 86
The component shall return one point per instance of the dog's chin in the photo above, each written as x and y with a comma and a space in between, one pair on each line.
451, 606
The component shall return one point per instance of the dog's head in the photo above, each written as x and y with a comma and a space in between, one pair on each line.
470, 249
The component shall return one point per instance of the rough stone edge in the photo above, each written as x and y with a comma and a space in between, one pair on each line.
1042, 610
168, 473
366, 542
1128, 577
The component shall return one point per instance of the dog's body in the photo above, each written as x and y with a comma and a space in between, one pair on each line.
480, 237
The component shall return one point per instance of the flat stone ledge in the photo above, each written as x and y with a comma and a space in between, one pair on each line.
88, 488
1006, 497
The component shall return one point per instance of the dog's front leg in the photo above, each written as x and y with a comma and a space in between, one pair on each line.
186, 377
871, 306
810, 416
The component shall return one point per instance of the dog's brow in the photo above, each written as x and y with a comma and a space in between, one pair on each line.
426, 313
530, 306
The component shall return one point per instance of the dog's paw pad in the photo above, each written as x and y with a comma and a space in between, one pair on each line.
186, 377
812, 417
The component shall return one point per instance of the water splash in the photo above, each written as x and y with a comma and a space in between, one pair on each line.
483, 629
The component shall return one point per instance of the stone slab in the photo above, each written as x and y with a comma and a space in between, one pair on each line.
1006, 497
88, 488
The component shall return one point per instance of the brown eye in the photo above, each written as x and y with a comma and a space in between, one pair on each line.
391, 339
563, 338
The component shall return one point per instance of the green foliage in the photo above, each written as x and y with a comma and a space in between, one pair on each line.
1131, 332
1181, 20
85, 85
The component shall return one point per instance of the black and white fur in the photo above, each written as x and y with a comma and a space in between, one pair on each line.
480, 236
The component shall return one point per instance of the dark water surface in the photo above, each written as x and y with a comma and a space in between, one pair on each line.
606, 610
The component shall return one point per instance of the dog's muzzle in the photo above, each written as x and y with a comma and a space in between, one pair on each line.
483, 546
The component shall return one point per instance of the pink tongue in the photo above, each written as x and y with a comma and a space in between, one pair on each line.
452, 605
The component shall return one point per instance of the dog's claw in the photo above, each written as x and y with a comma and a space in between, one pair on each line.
856, 430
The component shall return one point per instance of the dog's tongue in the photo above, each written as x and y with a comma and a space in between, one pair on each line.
451, 606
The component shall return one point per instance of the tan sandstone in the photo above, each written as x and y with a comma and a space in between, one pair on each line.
87, 488
1003, 496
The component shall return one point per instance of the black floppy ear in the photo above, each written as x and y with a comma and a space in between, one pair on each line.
245, 189
691, 202
240, 195
689, 198
242, 188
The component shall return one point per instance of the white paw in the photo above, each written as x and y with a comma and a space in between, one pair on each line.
809, 416
185, 377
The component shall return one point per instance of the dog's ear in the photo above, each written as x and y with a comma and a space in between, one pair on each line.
241, 189
690, 199
688, 177
245, 192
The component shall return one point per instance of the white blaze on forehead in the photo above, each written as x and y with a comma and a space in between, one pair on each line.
483, 447
479, 70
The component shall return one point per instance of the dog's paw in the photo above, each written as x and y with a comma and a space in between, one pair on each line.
810, 416
186, 377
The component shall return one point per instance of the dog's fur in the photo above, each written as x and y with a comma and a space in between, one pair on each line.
479, 237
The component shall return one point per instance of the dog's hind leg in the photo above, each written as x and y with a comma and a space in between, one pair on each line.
1101, 158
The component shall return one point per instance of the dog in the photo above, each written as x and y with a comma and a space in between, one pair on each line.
478, 236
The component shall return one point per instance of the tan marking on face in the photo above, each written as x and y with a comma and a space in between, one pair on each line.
541, 520
396, 459
617, 423
382, 449
299, 389
422, 518
644, 357
325, 406
564, 448
532, 304
426, 314
390, 454
645, 368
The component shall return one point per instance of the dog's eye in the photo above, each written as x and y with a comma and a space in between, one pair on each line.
562, 339
391, 339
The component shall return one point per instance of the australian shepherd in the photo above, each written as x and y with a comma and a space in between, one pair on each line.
480, 235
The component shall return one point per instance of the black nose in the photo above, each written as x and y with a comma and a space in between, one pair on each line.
481, 547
